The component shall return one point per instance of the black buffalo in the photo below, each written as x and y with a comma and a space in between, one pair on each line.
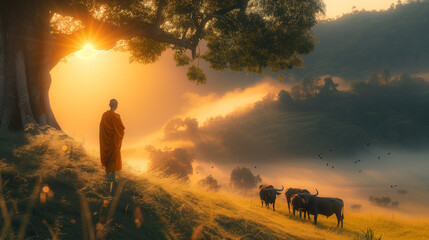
268, 193
298, 205
292, 191
324, 206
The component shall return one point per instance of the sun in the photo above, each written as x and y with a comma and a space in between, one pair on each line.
88, 51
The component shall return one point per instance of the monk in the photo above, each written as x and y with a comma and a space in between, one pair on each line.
111, 135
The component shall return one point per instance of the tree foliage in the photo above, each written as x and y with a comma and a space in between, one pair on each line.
171, 162
241, 35
209, 183
243, 179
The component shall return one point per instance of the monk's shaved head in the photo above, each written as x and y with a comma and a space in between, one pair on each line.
113, 104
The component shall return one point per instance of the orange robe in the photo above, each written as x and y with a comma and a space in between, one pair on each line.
111, 135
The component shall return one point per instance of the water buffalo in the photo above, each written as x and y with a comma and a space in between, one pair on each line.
268, 193
324, 206
292, 191
298, 205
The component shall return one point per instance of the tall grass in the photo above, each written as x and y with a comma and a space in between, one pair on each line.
144, 206
368, 234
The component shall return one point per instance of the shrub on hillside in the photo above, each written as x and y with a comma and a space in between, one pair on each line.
176, 162
209, 183
243, 179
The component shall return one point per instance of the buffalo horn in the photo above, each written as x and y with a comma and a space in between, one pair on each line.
317, 193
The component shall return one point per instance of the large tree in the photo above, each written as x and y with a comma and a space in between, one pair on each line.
241, 35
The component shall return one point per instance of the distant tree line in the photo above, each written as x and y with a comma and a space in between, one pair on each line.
315, 117
382, 109
362, 42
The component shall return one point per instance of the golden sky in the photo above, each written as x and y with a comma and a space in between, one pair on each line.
149, 95
336, 8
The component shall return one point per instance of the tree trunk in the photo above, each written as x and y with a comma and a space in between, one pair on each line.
22, 90
25, 64
2, 71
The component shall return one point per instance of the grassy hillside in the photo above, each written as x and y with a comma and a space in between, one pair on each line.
51, 189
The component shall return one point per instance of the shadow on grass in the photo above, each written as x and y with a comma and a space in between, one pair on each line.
322, 225
250, 229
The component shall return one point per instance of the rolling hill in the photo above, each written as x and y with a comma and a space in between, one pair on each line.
52, 189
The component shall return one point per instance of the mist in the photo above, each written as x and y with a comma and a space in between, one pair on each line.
407, 170
288, 142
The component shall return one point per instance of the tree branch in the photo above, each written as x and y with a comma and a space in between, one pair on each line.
200, 26
104, 35
159, 18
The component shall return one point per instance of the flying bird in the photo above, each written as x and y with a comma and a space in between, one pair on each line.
388, 153
333, 167
355, 162
360, 171
327, 164
367, 144
391, 186
378, 157
255, 166
330, 149
358, 160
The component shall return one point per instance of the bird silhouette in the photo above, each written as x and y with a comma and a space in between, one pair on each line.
378, 157
212, 166
327, 164
388, 153
394, 185
391, 186
367, 144
355, 162
360, 171
333, 167
358, 160
330, 149
255, 166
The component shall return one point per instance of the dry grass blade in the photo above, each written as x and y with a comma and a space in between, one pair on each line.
102, 229
197, 234
138, 217
87, 226
4, 211
115, 201
28, 211
51, 230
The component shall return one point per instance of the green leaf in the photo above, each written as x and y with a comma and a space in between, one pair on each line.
181, 58
196, 74
145, 50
